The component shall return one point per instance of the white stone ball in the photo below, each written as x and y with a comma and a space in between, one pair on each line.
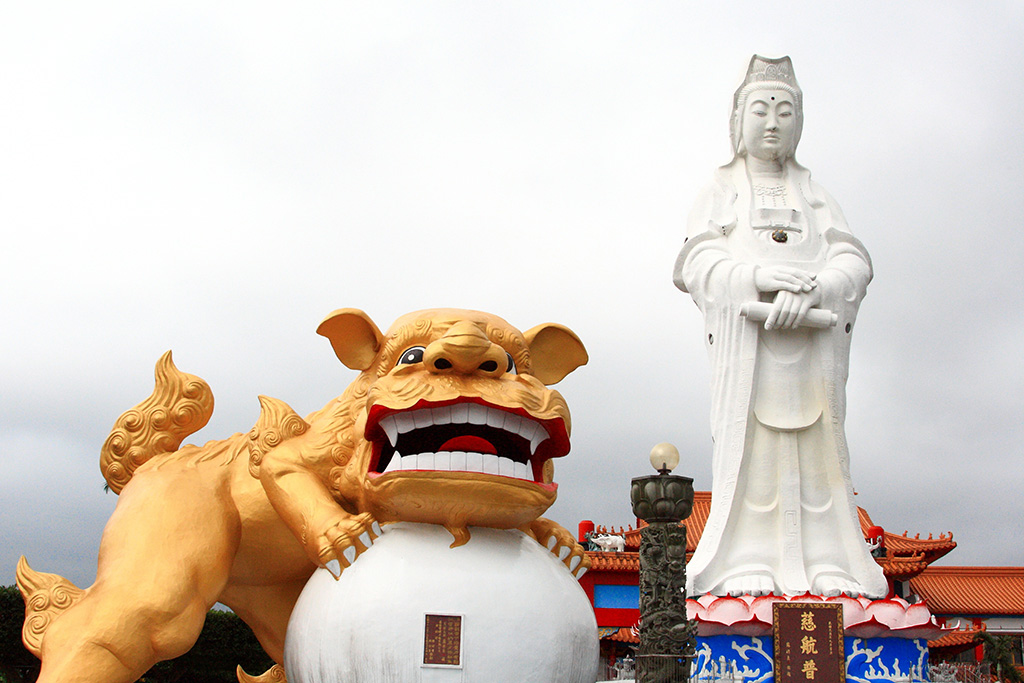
524, 616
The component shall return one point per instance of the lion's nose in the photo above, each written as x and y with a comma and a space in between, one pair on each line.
466, 350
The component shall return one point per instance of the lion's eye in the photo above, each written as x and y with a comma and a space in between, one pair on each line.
511, 364
410, 356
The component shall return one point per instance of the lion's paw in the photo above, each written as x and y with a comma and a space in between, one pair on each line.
343, 539
562, 544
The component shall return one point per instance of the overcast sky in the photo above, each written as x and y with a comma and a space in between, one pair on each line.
215, 180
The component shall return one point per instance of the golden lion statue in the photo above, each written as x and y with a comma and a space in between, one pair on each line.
449, 422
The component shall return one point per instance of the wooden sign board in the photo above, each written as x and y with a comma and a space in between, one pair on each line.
442, 640
808, 642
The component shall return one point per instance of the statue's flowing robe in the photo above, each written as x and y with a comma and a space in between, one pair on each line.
716, 267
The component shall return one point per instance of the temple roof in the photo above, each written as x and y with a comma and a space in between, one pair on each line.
955, 642
905, 556
972, 591
615, 562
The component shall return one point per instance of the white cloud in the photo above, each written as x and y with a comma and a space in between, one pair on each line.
217, 179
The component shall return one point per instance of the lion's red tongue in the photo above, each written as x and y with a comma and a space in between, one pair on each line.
469, 444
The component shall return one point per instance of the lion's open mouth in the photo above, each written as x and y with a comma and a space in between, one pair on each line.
463, 436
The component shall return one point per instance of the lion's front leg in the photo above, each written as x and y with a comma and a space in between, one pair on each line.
561, 542
294, 480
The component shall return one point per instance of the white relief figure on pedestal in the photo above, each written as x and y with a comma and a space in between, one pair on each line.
778, 276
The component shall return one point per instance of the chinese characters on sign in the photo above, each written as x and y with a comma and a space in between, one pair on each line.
442, 640
808, 642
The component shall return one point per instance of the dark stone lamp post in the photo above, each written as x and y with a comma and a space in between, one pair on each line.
663, 500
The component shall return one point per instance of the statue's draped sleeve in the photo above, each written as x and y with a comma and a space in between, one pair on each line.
719, 284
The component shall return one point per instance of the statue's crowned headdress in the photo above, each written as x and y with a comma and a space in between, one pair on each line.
766, 73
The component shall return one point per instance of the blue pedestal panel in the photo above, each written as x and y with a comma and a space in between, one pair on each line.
868, 660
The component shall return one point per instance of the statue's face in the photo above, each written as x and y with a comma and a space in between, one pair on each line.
769, 125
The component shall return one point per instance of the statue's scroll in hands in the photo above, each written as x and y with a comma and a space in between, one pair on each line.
758, 312
766, 244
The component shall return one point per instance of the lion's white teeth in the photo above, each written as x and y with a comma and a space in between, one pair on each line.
390, 428
395, 464
477, 414
522, 471
460, 413
496, 419
533, 432
460, 461
463, 413
538, 437
405, 422
396, 424
512, 423
423, 418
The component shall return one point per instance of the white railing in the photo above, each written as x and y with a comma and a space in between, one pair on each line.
624, 669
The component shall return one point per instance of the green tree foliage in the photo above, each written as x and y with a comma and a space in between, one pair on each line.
17, 665
224, 643
999, 653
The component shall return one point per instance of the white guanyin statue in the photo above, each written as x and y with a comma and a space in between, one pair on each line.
778, 276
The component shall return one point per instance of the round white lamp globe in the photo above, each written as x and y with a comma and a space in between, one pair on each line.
664, 456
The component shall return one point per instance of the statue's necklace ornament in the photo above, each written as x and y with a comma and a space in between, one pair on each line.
770, 190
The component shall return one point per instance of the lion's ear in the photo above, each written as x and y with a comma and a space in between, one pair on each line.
555, 351
354, 337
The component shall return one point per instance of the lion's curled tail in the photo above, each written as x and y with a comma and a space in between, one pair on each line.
274, 674
46, 596
179, 405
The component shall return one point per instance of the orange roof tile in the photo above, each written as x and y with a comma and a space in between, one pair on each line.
971, 590
902, 568
698, 518
960, 640
614, 562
